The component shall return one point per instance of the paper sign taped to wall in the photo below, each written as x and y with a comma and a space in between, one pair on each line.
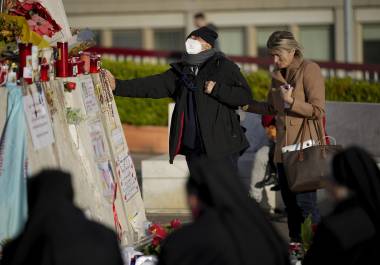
117, 138
38, 119
89, 98
107, 178
127, 174
97, 135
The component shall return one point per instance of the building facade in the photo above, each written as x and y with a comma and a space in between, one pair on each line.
243, 25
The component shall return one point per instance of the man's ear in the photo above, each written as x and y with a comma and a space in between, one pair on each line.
206, 46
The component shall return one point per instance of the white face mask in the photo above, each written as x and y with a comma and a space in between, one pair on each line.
193, 46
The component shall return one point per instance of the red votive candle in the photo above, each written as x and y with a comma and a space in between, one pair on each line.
44, 72
25, 50
80, 67
62, 62
95, 63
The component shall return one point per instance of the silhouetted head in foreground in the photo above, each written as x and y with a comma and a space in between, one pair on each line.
57, 232
228, 227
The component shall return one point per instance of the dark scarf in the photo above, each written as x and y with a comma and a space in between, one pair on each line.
192, 62
198, 59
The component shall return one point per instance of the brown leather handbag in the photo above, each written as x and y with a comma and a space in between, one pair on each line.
306, 168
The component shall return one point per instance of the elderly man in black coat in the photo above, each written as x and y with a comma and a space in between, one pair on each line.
207, 89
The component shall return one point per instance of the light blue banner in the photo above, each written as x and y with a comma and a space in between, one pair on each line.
13, 152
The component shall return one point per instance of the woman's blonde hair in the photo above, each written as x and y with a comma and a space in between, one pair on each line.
284, 40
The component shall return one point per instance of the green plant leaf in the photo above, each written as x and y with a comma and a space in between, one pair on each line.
307, 233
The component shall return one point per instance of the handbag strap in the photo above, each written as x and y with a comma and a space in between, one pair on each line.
300, 153
318, 129
321, 138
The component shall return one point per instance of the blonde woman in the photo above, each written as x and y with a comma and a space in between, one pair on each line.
297, 92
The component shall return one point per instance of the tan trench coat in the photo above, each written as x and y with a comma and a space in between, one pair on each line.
309, 101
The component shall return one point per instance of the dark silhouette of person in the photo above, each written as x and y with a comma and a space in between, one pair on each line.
228, 227
57, 232
350, 234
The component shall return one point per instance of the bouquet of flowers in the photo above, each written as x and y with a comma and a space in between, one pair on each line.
14, 29
27, 21
38, 18
159, 233
9, 30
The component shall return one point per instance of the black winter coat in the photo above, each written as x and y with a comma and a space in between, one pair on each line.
218, 122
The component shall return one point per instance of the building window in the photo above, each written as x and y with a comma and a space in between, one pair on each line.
169, 39
232, 41
127, 39
318, 42
97, 37
263, 34
371, 43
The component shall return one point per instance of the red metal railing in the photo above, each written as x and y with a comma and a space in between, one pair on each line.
370, 72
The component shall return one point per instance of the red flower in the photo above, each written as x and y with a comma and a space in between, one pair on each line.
27, 5
39, 19
41, 26
156, 241
70, 86
175, 224
158, 231
41, 11
294, 247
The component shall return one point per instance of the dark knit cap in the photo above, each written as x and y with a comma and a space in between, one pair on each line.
206, 34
